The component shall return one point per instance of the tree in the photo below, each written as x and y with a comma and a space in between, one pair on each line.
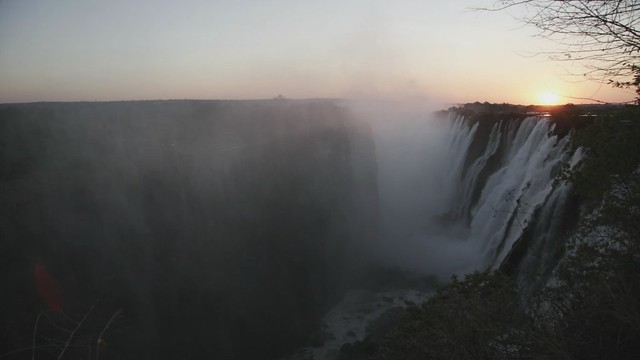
634, 83
596, 292
476, 318
603, 35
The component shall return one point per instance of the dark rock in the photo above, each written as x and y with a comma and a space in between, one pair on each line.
366, 310
316, 341
211, 224
391, 318
360, 350
385, 279
319, 338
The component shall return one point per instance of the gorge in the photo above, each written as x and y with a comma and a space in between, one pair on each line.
228, 229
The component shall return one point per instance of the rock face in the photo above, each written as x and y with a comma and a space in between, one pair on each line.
216, 229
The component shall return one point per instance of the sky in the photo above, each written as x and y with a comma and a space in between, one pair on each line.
439, 52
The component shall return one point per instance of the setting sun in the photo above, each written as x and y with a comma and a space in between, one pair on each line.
548, 98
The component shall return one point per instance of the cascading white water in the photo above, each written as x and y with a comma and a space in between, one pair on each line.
464, 202
537, 264
462, 229
513, 193
461, 138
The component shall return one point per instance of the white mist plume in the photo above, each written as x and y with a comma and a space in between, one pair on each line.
410, 149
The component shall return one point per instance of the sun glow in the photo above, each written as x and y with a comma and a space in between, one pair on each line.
548, 98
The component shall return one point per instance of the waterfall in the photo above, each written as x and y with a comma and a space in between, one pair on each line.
513, 193
494, 180
544, 248
468, 184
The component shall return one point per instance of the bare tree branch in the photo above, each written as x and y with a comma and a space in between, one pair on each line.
86, 315
100, 337
35, 331
602, 35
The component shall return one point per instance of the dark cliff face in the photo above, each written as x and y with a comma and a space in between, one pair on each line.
219, 229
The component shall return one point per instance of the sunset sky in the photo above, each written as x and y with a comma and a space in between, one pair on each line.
439, 52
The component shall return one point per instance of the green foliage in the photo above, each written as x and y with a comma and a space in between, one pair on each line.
592, 311
597, 292
610, 141
478, 318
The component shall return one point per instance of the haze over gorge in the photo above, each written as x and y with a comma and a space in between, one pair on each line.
329, 180
230, 229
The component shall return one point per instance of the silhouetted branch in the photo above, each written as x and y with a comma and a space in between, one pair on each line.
35, 331
602, 35
100, 339
66, 345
